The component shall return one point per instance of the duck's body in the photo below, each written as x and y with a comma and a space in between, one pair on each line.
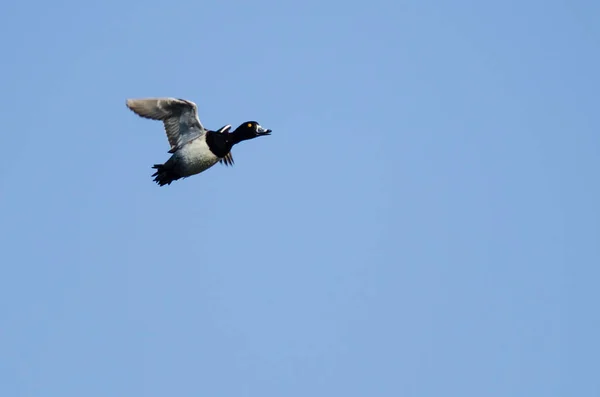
191, 159
196, 156
194, 149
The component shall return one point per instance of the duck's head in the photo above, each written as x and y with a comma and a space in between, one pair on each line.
249, 130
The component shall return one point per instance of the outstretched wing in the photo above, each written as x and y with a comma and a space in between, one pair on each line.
180, 117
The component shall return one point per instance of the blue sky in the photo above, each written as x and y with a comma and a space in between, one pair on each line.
423, 221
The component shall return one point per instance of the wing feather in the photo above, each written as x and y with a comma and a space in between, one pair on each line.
179, 116
227, 160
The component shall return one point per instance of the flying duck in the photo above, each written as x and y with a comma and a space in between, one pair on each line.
194, 148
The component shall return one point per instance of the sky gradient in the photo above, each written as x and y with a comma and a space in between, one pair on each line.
423, 221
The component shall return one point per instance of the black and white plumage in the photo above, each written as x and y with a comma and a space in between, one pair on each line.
194, 149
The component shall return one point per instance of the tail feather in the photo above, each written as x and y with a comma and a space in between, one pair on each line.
164, 175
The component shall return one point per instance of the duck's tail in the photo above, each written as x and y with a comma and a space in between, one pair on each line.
164, 175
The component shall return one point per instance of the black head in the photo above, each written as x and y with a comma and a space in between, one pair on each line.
249, 130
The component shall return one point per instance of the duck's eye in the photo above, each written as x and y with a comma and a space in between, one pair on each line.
249, 125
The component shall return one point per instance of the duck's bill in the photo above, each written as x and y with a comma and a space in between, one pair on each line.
263, 131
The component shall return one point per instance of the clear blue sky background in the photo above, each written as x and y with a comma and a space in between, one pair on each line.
424, 220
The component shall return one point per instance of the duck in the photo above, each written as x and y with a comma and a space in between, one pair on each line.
194, 148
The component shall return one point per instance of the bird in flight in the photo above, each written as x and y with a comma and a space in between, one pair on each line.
194, 148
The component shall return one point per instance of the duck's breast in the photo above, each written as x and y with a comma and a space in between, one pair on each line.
197, 157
